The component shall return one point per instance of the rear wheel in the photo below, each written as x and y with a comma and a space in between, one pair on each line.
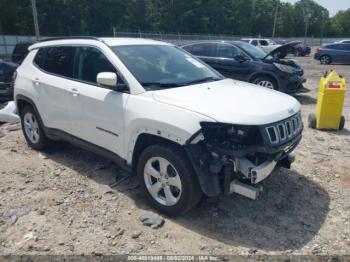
325, 60
32, 130
266, 81
168, 179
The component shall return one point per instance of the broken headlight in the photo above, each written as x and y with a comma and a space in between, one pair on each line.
228, 134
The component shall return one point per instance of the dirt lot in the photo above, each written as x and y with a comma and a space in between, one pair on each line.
60, 202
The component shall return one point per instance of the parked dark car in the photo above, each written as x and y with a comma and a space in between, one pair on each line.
299, 49
333, 53
7, 70
242, 61
20, 51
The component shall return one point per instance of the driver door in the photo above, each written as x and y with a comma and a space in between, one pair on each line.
98, 115
228, 65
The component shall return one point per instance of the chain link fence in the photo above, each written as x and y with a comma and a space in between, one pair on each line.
8, 42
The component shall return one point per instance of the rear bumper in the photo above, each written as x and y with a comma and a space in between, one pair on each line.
317, 56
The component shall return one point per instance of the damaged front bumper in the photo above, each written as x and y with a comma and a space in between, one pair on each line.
255, 174
224, 168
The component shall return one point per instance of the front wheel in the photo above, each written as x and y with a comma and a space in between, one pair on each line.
266, 81
168, 179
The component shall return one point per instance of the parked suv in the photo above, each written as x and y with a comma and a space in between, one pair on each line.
242, 61
7, 70
20, 51
159, 112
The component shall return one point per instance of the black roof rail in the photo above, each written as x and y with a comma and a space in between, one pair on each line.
68, 38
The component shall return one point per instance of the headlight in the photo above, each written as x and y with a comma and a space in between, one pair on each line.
225, 133
284, 68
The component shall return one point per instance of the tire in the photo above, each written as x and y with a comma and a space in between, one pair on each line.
325, 60
342, 123
312, 121
177, 177
266, 81
32, 129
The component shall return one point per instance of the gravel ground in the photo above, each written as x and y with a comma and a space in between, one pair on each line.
61, 201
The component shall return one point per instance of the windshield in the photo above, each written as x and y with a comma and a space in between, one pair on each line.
253, 51
163, 66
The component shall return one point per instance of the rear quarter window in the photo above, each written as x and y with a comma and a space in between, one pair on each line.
56, 60
204, 50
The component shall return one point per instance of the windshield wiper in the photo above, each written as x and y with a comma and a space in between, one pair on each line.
202, 80
160, 84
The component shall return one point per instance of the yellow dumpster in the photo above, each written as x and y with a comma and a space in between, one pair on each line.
330, 102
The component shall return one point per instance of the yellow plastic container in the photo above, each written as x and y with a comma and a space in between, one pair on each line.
330, 102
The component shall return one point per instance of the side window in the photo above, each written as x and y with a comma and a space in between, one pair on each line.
39, 58
188, 48
56, 60
263, 42
254, 42
343, 47
226, 51
203, 50
89, 62
334, 46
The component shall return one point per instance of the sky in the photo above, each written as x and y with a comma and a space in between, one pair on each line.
332, 5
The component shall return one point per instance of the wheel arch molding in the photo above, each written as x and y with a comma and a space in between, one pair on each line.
22, 101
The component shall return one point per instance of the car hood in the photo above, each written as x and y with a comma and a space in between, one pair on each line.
278, 51
231, 101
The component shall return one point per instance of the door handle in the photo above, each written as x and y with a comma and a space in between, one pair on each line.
74, 92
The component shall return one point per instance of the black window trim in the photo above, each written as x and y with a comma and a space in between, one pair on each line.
193, 44
82, 81
217, 43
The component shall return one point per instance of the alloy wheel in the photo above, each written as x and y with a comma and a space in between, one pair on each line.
266, 84
325, 60
31, 127
162, 181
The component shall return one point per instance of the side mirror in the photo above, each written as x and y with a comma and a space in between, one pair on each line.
107, 79
240, 58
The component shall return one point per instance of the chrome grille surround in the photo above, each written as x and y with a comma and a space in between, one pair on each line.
283, 131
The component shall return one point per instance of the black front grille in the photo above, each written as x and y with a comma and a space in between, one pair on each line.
283, 131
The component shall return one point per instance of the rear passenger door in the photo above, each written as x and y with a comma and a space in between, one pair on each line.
98, 117
52, 80
204, 51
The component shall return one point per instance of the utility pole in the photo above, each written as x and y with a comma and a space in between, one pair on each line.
307, 16
35, 18
324, 17
275, 21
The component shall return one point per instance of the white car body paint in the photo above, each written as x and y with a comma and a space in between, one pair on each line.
267, 48
173, 114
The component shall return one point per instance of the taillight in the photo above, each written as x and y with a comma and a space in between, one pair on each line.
318, 50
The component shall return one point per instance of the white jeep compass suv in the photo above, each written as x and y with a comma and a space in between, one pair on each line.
160, 113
